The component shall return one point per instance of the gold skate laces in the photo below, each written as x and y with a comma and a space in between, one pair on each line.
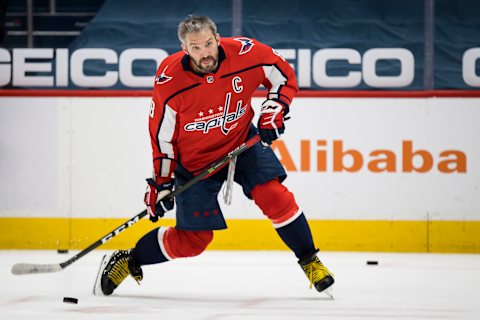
315, 271
119, 272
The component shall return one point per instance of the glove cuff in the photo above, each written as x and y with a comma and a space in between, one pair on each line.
161, 184
281, 103
273, 102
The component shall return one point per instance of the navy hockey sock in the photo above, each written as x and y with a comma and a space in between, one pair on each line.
298, 237
147, 250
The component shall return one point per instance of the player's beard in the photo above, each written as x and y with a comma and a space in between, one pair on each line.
205, 68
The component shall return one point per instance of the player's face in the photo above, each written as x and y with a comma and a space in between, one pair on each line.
203, 50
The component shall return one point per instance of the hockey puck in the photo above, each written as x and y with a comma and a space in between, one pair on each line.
372, 263
62, 251
70, 300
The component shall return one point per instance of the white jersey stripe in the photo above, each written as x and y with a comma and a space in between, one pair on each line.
165, 167
276, 78
165, 135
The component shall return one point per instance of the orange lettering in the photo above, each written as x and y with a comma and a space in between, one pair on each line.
380, 160
305, 155
339, 155
321, 156
408, 155
460, 162
284, 156
389, 161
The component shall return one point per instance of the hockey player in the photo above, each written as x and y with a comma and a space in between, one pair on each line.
200, 110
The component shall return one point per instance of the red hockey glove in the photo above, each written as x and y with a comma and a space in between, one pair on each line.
157, 207
270, 123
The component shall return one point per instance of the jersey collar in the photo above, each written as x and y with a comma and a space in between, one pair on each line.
186, 61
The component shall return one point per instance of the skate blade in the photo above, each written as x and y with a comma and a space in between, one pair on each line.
97, 287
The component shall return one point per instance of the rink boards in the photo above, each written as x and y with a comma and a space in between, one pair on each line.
372, 174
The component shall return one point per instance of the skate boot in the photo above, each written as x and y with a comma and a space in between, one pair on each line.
114, 269
317, 273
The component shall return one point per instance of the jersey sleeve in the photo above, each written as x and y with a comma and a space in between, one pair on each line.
162, 128
280, 77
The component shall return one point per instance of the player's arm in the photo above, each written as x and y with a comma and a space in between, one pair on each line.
282, 86
280, 77
162, 121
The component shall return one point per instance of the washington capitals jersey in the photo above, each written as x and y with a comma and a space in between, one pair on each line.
197, 119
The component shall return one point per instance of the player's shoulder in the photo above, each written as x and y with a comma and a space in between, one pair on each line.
168, 67
242, 46
169, 76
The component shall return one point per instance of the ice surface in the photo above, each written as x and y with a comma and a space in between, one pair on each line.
234, 285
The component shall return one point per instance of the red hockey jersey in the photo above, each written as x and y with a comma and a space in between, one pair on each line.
197, 119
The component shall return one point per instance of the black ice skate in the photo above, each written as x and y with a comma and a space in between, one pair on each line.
114, 269
318, 274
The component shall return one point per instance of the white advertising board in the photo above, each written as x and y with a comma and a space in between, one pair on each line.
347, 158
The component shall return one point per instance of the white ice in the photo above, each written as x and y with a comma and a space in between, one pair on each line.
235, 285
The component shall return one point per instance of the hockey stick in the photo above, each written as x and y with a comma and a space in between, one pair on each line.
29, 268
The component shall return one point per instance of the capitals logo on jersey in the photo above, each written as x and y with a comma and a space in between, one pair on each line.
247, 45
219, 120
162, 78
